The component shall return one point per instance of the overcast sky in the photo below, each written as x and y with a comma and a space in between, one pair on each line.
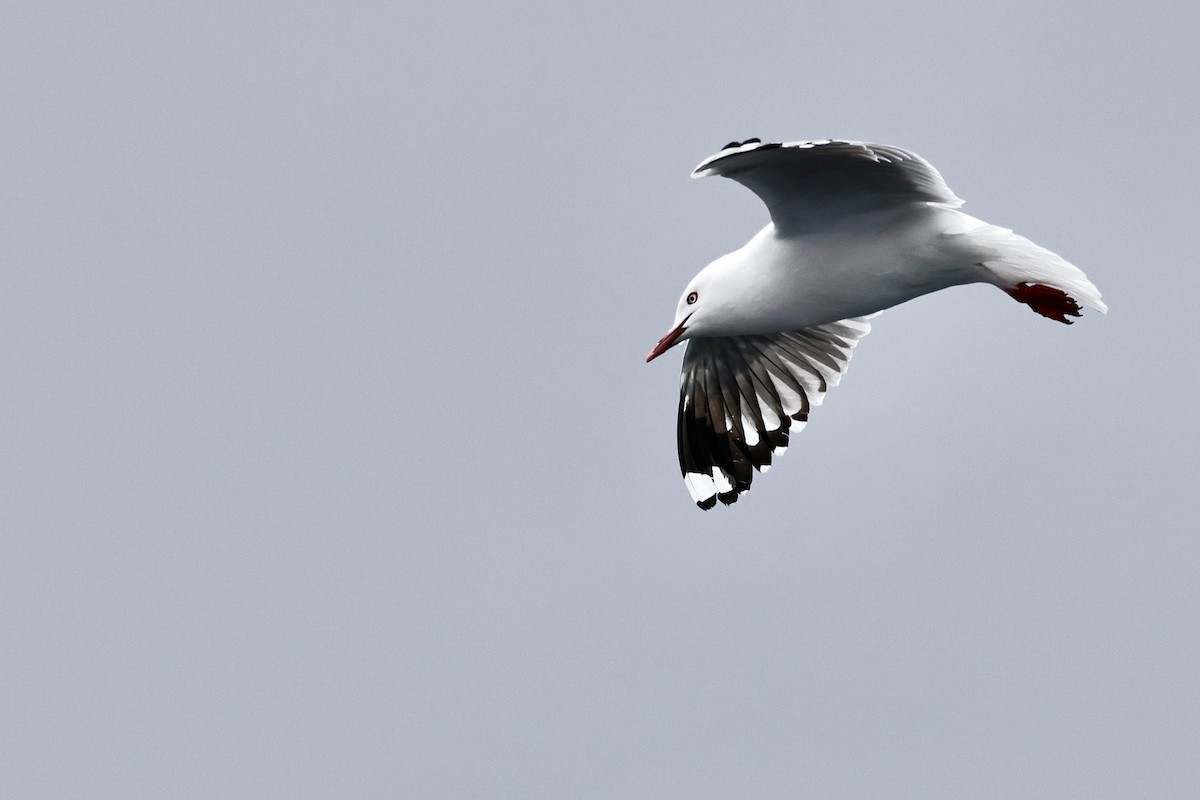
330, 465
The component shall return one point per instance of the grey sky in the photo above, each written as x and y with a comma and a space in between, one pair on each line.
331, 467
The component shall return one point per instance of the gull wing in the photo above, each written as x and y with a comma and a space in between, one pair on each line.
806, 181
741, 397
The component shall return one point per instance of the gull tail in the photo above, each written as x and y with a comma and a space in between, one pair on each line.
1045, 281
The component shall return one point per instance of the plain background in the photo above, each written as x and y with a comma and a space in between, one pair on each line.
330, 465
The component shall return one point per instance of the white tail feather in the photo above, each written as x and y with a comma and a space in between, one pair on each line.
1012, 259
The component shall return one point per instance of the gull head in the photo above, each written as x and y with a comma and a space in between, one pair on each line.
695, 315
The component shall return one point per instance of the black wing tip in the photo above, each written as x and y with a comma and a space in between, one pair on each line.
726, 498
734, 149
729, 498
735, 143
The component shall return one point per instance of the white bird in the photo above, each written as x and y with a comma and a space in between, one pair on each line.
855, 228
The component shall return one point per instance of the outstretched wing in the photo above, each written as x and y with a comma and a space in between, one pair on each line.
802, 182
741, 397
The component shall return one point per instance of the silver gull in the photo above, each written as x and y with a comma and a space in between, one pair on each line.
855, 228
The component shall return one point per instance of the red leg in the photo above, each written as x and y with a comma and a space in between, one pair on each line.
1046, 300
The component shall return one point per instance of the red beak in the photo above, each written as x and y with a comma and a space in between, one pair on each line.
668, 341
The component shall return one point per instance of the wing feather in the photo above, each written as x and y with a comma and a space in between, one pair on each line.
742, 396
803, 183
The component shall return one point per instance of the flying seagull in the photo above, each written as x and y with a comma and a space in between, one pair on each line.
855, 228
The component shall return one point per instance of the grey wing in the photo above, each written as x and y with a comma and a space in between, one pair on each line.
741, 397
798, 180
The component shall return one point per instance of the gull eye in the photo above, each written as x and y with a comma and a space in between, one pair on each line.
692, 298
